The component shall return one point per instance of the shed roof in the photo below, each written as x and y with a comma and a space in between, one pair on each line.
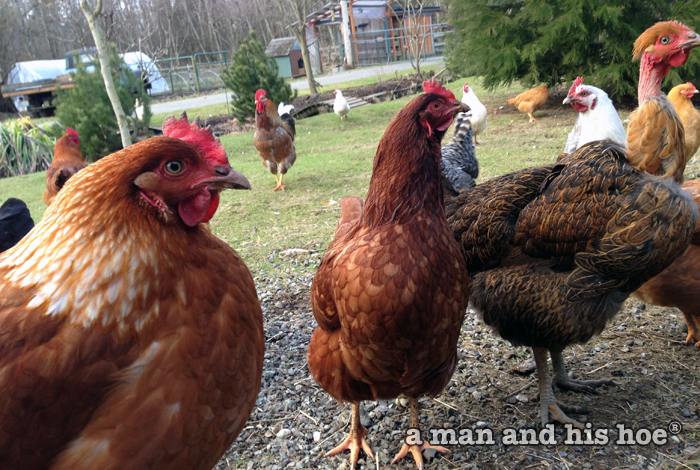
280, 47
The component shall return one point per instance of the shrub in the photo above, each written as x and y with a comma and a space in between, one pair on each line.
250, 70
25, 148
87, 109
553, 41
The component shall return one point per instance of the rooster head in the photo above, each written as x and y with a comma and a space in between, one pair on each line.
687, 90
467, 88
438, 107
669, 42
191, 177
260, 100
73, 135
582, 97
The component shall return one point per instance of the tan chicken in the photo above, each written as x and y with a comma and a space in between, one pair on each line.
681, 97
530, 101
67, 161
655, 136
392, 290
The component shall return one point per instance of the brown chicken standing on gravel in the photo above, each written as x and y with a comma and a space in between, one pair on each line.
530, 101
274, 138
131, 338
67, 161
392, 290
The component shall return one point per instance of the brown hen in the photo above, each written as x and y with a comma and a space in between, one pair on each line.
130, 337
67, 161
274, 138
553, 251
392, 290
530, 101
679, 285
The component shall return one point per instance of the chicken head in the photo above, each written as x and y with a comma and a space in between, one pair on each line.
581, 97
438, 112
260, 100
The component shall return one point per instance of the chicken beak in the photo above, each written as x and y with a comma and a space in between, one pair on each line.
460, 108
693, 41
228, 179
568, 100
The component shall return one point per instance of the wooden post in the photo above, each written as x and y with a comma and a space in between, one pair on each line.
352, 29
345, 30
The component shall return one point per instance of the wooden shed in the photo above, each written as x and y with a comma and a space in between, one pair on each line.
287, 53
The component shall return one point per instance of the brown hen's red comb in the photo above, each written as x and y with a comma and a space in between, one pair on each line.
578, 82
214, 152
432, 86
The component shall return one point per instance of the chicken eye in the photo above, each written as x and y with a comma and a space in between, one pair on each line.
665, 40
174, 167
585, 93
436, 105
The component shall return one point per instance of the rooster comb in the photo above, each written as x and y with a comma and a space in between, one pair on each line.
649, 37
214, 152
431, 86
577, 83
259, 94
72, 131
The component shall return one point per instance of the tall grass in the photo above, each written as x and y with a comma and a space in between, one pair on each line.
24, 148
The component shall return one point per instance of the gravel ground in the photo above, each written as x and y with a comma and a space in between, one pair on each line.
295, 422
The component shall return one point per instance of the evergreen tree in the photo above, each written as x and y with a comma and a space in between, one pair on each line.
251, 70
554, 41
86, 107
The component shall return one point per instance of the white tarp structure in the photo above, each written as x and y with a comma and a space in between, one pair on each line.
36, 70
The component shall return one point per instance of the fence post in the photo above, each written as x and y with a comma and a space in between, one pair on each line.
196, 74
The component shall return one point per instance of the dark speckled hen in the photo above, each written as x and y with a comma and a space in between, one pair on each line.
553, 251
392, 290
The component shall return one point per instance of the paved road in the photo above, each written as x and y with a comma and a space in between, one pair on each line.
339, 77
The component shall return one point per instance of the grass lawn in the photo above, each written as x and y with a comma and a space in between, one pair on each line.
335, 160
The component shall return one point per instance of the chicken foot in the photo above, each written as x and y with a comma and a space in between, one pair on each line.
416, 450
279, 186
564, 382
532, 118
549, 406
355, 440
693, 331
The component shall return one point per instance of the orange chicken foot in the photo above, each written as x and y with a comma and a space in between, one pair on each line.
693, 330
532, 118
549, 406
355, 440
279, 186
564, 382
416, 450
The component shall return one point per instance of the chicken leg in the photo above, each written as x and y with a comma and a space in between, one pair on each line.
532, 118
693, 331
279, 186
355, 440
563, 381
549, 406
416, 449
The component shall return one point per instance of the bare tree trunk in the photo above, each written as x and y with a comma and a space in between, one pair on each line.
300, 33
103, 55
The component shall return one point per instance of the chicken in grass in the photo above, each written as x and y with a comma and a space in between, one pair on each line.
392, 290
681, 99
655, 136
130, 336
340, 105
458, 162
478, 111
274, 138
67, 161
15, 223
597, 117
530, 101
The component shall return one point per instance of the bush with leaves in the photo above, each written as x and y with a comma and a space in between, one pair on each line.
26, 148
554, 41
250, 70
87, 109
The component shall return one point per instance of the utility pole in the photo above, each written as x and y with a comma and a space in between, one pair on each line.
345, 30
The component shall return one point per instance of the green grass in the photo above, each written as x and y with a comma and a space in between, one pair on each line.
335, 160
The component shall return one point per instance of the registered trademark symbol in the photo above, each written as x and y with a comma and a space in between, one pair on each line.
675, 427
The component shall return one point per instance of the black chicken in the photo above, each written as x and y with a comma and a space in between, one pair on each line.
15, 223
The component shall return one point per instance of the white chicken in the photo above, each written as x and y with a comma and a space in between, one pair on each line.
284, 108
597, 117
478, 118
341, 106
